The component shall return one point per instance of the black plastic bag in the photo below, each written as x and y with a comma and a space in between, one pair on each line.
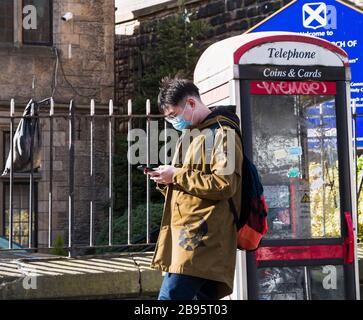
27, 140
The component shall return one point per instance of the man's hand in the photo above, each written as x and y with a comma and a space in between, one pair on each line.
162, 175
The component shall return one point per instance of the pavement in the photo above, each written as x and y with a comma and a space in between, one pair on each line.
112, 276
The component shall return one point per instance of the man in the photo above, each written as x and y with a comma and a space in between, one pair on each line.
196, 248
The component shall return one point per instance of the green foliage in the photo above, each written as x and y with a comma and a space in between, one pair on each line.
324, 206
120, 225
174, 51
120, 169
120, 179
58, 246
359, 163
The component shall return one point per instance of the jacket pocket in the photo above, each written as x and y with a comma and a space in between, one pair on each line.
190, 209
162, 254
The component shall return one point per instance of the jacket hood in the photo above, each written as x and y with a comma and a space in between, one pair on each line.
218, 113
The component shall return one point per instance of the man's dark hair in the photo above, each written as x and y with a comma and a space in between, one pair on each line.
173, 90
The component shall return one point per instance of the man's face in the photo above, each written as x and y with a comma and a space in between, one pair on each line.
172, 111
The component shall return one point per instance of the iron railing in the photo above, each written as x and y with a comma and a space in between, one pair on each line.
71, 118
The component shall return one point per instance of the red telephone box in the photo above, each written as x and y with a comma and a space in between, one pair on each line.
291, 92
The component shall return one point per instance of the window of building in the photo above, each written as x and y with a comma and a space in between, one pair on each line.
42, 35
20, 213
31, 27
21, 193
7, 21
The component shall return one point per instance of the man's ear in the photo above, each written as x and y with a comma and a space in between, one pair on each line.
192, 103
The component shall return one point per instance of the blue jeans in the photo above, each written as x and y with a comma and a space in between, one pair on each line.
183, 287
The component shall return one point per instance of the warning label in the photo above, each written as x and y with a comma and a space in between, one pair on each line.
305, 198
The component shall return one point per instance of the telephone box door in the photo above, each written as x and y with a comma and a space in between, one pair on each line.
296, 134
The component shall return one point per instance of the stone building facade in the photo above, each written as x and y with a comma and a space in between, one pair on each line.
71, 59
225, 18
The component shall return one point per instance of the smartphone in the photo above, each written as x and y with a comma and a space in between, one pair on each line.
146, 168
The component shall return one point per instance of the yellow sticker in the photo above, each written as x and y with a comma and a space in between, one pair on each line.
305, 198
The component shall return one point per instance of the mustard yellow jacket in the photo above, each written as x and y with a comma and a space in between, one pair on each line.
197, 234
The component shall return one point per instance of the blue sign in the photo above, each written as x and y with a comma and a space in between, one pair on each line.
321, 123
332, 20
294, 151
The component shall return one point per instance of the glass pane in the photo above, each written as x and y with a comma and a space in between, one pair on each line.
16, 228
20, 213
16, 215
281, 283
327, 282
41, 34
7, 21
294, 143
301, 283
24, 215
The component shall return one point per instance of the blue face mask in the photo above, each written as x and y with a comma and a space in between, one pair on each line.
179, 122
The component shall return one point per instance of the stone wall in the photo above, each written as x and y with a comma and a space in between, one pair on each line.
89, 69
225, 18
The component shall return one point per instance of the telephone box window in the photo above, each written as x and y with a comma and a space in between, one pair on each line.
294, 139
323, 282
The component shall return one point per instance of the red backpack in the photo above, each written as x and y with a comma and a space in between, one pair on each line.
251, 223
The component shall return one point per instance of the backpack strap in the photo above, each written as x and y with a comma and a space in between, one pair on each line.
234, 126
231, 124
